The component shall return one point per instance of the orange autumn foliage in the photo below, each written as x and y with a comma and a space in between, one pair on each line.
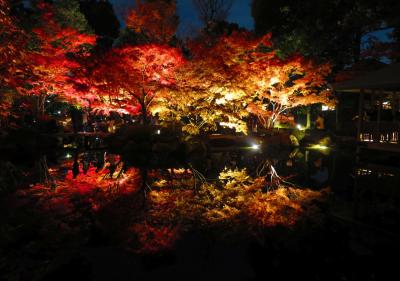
241, 75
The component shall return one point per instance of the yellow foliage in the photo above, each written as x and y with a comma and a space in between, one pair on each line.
233, 178
239, 203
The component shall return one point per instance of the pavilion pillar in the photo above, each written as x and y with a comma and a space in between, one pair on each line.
338, 112
392, 102
396, 121
394, 106
379, 115
360, 113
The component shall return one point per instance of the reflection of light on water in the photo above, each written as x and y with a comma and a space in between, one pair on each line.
363, 172
369, 172
178, 171
230, 125
392, 137
319, 147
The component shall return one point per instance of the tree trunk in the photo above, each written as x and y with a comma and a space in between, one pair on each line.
270, 123
144, 114
143, 108
308, 125
40, 102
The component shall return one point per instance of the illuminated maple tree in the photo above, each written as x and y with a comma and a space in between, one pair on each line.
156, 20
207, 91
200, 101
130, 79
52, 62
273, 85
280, 85
12, 57
241, 75
12, 40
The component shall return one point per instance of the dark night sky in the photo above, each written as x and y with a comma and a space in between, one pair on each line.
240, 13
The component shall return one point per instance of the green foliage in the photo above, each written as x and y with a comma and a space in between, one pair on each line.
329, 29
68, 14
127, 37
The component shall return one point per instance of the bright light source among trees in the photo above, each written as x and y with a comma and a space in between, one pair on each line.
319, 147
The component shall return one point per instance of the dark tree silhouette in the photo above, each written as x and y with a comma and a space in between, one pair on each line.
213, 10
330, 29
101, 17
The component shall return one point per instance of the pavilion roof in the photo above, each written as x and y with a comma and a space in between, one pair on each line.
385, 79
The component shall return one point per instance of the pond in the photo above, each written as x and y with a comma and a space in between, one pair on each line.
192, 214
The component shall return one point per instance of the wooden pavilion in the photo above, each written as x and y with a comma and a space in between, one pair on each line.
374, 116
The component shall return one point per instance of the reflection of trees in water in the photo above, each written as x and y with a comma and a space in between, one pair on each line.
149, 208
41, 171
174, 202
266, 170
274, 164
199, 165
14, 175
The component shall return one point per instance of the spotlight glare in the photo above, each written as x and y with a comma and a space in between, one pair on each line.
319, 147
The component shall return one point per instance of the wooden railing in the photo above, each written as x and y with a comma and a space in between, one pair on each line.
380, 132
